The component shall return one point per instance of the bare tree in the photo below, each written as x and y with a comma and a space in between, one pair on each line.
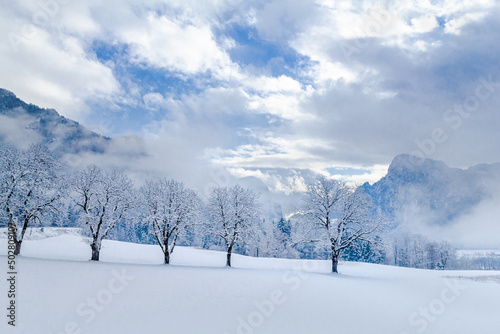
336, 215
233, 216
103, 199
169, 207
31, 186
416, 251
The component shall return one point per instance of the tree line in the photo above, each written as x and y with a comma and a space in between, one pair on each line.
335, 220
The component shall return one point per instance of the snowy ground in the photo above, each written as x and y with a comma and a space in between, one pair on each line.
130, 291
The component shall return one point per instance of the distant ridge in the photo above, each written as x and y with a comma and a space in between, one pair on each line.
59, 133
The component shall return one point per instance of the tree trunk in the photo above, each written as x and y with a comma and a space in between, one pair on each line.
167, 256
335, 262
95, 251
228, 261
166, 250
18, 243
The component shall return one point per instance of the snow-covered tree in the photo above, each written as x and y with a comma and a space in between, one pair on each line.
416, 251
169, 208
103, 200
336, 216
31, 186
371, 252
281, 242
446, 254
233, 215
409, 250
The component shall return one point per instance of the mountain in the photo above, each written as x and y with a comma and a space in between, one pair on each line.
429, 191
28, 123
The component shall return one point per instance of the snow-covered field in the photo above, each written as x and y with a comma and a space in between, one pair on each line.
130, 291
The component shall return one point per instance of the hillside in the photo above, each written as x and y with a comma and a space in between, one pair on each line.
59, 291
45, 126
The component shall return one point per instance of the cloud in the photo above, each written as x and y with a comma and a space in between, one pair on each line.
16, 131
280, 20
357, 83
48, 69
153, 100
478, 229
175, 46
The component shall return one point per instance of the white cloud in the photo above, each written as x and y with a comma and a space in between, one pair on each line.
273, 84
277, 180
373, 174
477, 229
51, 70
424, 23
327, 73
154, 100
175, 46
284, 106
454, 25
272, 150
15, 131
346, 27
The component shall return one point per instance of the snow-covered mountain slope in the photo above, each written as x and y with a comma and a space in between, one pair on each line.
430, 191
59, 291
26, 122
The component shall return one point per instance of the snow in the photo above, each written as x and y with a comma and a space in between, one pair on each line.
134, 293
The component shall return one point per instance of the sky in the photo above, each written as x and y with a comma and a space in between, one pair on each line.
272, 89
